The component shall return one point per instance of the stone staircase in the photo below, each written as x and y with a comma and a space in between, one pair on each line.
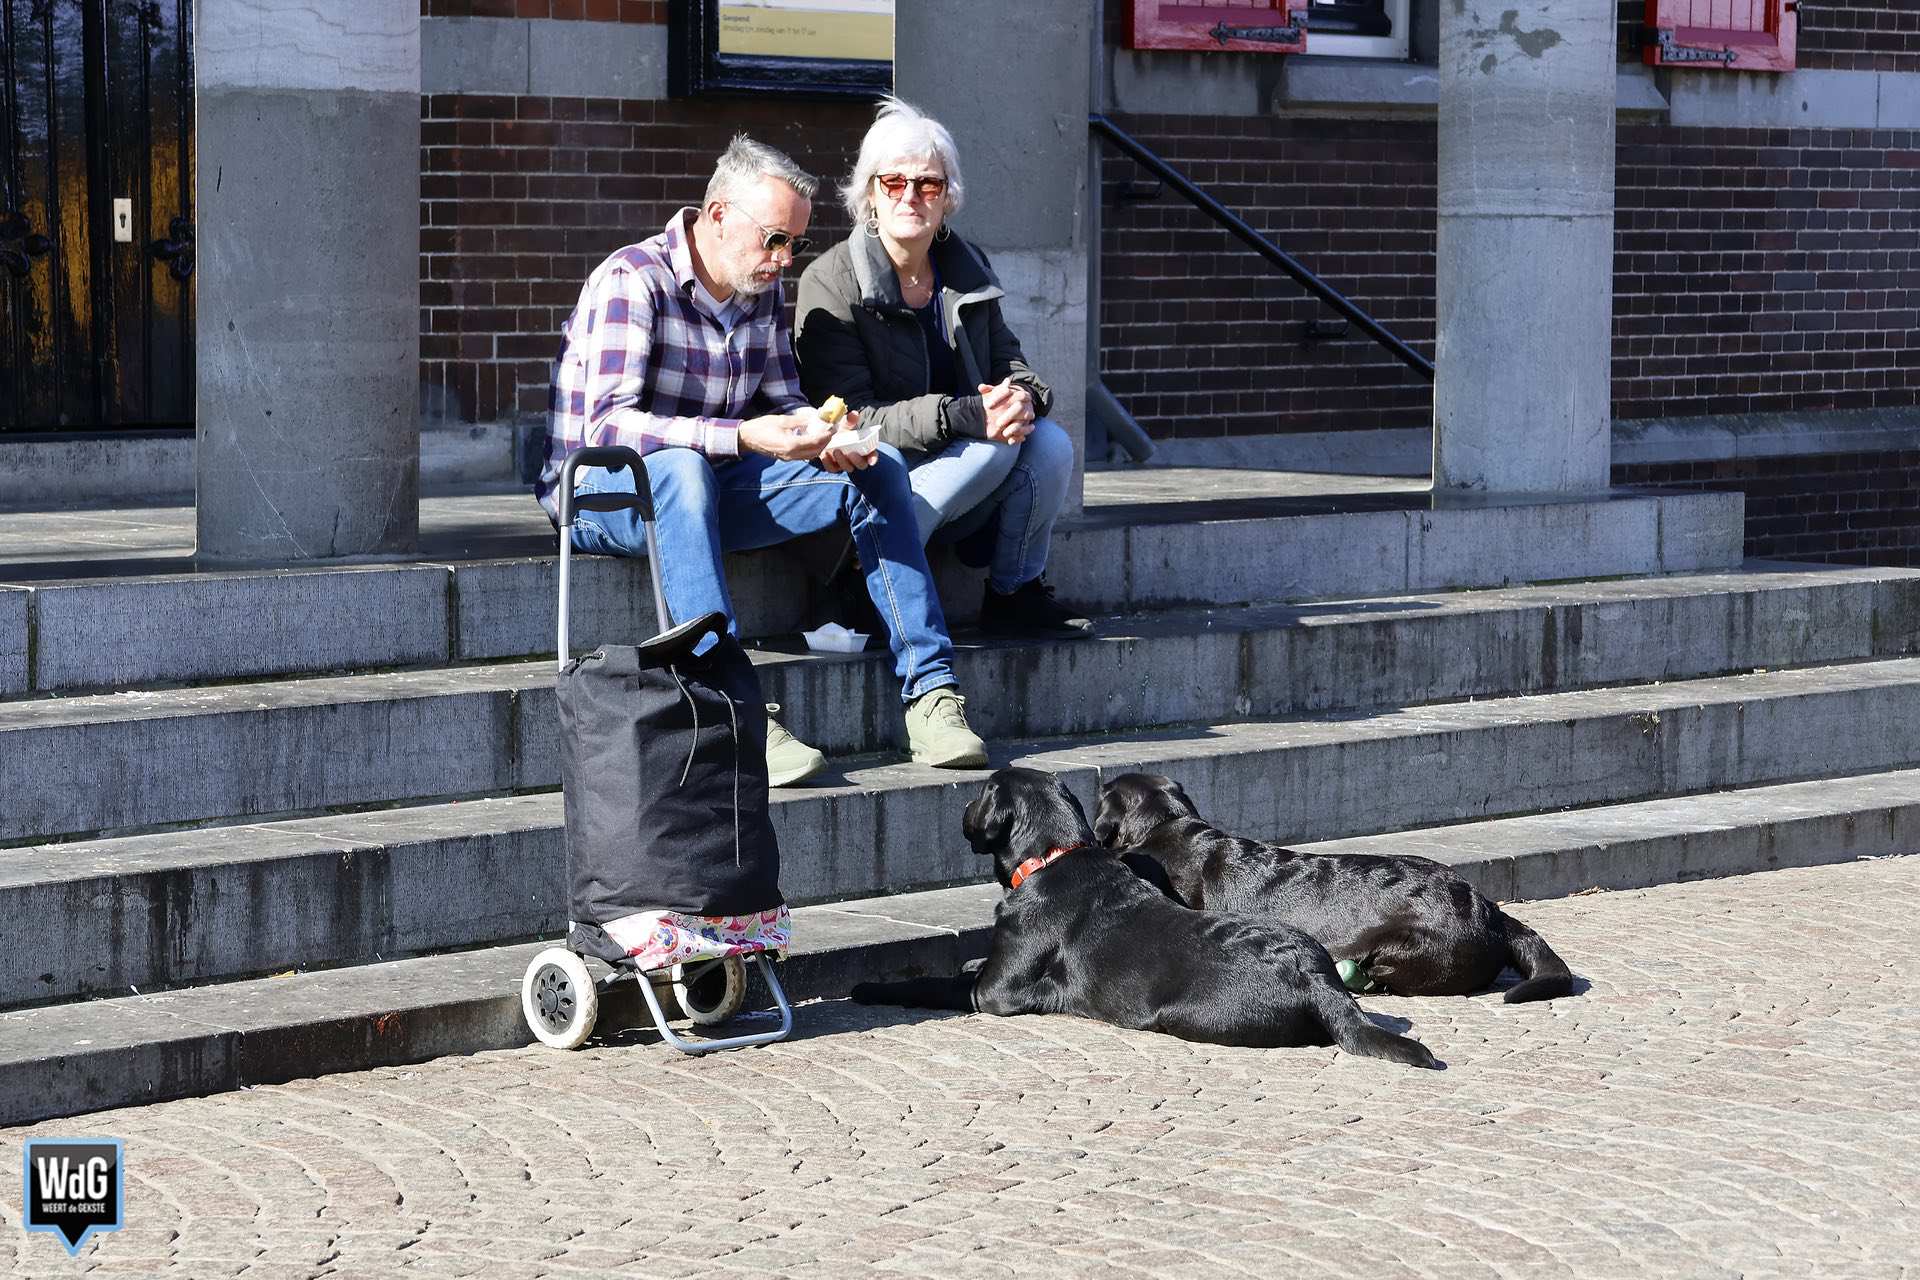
262, 825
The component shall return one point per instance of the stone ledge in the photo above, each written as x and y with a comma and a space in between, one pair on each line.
1123, 558
1166, 83
1764, 435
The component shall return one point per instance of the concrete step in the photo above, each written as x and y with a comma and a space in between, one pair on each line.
104, 763
179, 907
69, 623
63, 1060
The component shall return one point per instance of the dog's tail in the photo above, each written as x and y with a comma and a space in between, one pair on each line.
1355, 1033
1543, 974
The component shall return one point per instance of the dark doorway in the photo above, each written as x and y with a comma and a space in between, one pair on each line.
96, 215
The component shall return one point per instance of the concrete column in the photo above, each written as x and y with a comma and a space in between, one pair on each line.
1011, 79
1525, 253
307, 196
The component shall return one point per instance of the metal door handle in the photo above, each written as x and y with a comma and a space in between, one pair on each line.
20, 244
177, 249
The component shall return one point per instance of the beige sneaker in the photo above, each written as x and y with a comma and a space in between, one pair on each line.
938, 734
789, 760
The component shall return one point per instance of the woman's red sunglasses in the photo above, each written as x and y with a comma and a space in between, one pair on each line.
895, 183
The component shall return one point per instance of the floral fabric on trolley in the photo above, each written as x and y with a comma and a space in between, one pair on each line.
659, 939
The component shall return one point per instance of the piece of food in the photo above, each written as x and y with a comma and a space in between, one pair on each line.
833, 410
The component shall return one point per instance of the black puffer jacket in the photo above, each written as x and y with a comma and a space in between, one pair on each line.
856, 338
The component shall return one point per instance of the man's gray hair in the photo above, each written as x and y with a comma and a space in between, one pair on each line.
900, 130
745, 162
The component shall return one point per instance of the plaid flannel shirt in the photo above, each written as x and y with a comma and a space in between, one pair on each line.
644, 363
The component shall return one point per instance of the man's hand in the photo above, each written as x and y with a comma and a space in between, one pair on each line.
839, 460
1009, 411
787, 436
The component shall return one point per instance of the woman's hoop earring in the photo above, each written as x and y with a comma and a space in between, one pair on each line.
873, 226
944, 234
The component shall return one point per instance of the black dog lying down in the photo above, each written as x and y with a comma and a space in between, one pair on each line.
1084, 935
1412, 926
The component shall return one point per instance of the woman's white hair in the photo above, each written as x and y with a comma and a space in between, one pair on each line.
899, 131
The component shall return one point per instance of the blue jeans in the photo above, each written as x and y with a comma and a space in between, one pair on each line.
1019, 489
703, 509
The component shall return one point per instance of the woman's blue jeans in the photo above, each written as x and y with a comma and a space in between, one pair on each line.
1018, 490
703, 509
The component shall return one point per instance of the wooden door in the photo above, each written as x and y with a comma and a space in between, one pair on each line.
96, 209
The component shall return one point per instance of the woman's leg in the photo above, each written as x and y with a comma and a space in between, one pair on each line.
950, 484
1030, 499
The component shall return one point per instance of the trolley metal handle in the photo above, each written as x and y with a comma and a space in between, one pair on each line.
614, 458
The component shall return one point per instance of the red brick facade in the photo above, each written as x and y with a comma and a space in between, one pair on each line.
1765, 270
1201, 338
1755, 270
1840, 508
521, 197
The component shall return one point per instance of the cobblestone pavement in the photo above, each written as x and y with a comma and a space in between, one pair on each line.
1738, 1094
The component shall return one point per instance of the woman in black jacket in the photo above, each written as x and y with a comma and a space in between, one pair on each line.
902, 321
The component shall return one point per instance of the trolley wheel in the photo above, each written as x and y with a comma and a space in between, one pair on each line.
710, 991
559, 999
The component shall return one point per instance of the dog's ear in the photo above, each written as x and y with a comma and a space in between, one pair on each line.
1106, 818
989, 819
1184, 805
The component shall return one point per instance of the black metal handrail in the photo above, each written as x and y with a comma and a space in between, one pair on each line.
1266, 248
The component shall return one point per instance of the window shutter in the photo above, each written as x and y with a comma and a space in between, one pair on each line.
1237, 26
1737, 35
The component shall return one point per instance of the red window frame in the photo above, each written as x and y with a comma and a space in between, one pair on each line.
1199, 26
1731, 35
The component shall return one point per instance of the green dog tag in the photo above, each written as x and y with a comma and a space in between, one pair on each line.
1355, 977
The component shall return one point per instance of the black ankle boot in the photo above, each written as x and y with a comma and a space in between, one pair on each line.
1030, 610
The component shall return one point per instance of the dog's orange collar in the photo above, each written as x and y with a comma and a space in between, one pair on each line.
1033, 864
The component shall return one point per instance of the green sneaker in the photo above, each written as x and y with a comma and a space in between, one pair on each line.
789, 760
938, 734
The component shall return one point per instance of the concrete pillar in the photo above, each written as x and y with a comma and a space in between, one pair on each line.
1011, 79
1525, 253
307, 198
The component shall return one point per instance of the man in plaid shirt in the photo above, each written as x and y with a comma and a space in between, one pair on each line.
679, 348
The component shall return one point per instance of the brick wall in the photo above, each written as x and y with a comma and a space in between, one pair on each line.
1846, 508
521, 197
1199, 337
1842, 35
1755, 270
1762, 270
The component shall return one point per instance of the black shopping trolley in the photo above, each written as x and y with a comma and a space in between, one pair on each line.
672, 865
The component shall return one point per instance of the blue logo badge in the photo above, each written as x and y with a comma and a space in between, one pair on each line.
72, 1187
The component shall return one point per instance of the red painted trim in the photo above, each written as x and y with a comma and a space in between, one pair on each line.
1190, 24
1747, 35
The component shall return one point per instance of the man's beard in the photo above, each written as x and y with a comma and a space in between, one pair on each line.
750, 286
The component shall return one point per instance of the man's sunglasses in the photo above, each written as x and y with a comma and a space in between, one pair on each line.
773, 241
896, 183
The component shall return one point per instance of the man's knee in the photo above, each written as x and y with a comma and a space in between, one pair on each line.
680, 476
